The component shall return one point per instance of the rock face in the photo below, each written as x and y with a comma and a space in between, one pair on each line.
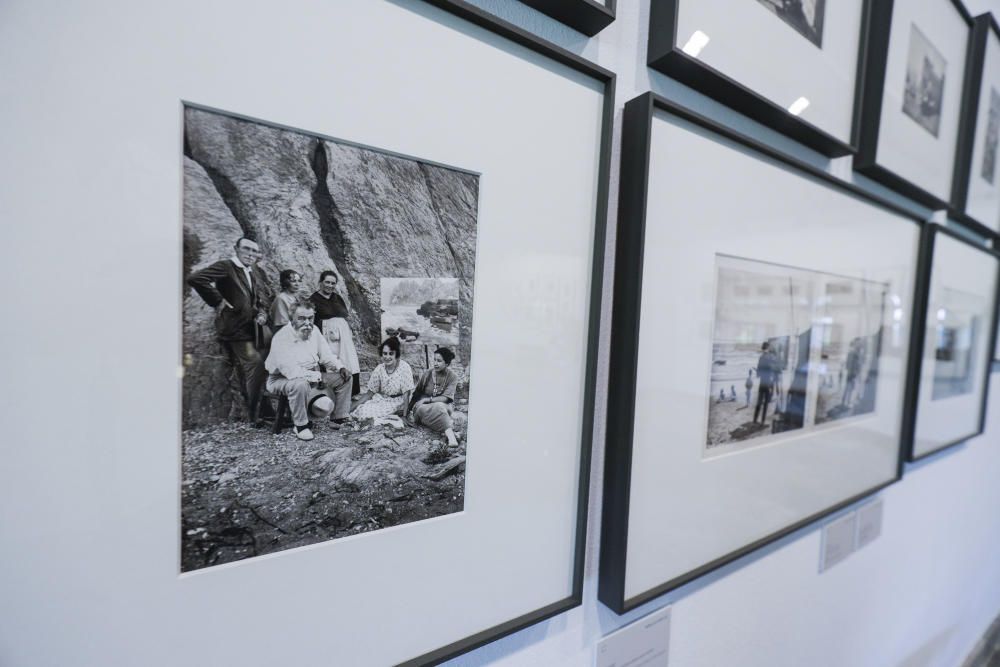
313, 204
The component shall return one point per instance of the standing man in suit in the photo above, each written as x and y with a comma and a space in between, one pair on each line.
767, 376
238, 290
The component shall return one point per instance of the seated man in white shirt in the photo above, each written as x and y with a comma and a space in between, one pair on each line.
293, 367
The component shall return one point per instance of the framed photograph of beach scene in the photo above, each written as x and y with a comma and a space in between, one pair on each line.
345, 412
758, 357
789, 64
976, 188
912, 95
952, 348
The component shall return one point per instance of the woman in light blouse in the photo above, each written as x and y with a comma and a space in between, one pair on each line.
284, 304
389, 385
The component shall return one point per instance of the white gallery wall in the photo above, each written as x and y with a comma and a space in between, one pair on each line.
920, 595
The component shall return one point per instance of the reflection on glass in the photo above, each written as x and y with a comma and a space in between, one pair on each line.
791, 349
955, 332
695, 44
798, 106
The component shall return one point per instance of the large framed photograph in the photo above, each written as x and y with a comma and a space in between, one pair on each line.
976, 189
911, 105
951, 350
792, 65
586, 16
345, 409
776, 397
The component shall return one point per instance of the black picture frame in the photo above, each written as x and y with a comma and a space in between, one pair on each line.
878, 24
666, 56
586, 16
918, 339
982, 26
480, 18
623, 363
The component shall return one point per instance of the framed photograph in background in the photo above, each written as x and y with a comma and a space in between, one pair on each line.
951, 351
912, 95
434, 177
976, 189
791, 65
758, 349
586, 16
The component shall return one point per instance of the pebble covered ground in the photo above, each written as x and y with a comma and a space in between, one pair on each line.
247, 492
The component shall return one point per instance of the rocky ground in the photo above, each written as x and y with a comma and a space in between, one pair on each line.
246, 492
732, 421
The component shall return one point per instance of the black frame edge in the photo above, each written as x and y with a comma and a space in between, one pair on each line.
918, 338
498, 26
868, 106
623, 359
975, 57
666, 56
636, 134
480, 18
585, 16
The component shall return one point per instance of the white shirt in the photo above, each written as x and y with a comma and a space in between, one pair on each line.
246, 269
292, 356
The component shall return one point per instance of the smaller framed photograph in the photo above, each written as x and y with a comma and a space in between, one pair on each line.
951, 352
758, 358
586, 16
976, 189
789, 64
910, 108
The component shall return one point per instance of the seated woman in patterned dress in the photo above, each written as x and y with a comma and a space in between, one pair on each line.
389, 385
434, 396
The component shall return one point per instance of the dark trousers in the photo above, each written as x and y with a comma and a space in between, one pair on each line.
763, 398
250, 368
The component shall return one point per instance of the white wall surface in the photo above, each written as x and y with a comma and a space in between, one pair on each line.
919, 596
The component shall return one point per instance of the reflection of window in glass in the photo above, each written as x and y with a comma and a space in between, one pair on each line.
792, 349
955, 334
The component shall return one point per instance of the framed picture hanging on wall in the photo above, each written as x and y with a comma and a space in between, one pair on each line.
976, 189
911, 101
792, 66
951, 350
758, 350
586, 16
386, 226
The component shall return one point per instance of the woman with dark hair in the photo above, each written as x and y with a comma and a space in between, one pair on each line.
389, 386
434, 396
331, 318
284, 304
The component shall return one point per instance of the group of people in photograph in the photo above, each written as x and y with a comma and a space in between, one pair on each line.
302, 348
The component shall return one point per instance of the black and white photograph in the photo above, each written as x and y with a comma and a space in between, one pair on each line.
791, 349
806, 16
327, 326
955, 332
923, 92
849, 330
989, 168
760, 350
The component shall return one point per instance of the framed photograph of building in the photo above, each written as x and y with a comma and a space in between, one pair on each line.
789, 64
758, 357
976, 188
910, 108
586, 16
951, 353
347, 406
